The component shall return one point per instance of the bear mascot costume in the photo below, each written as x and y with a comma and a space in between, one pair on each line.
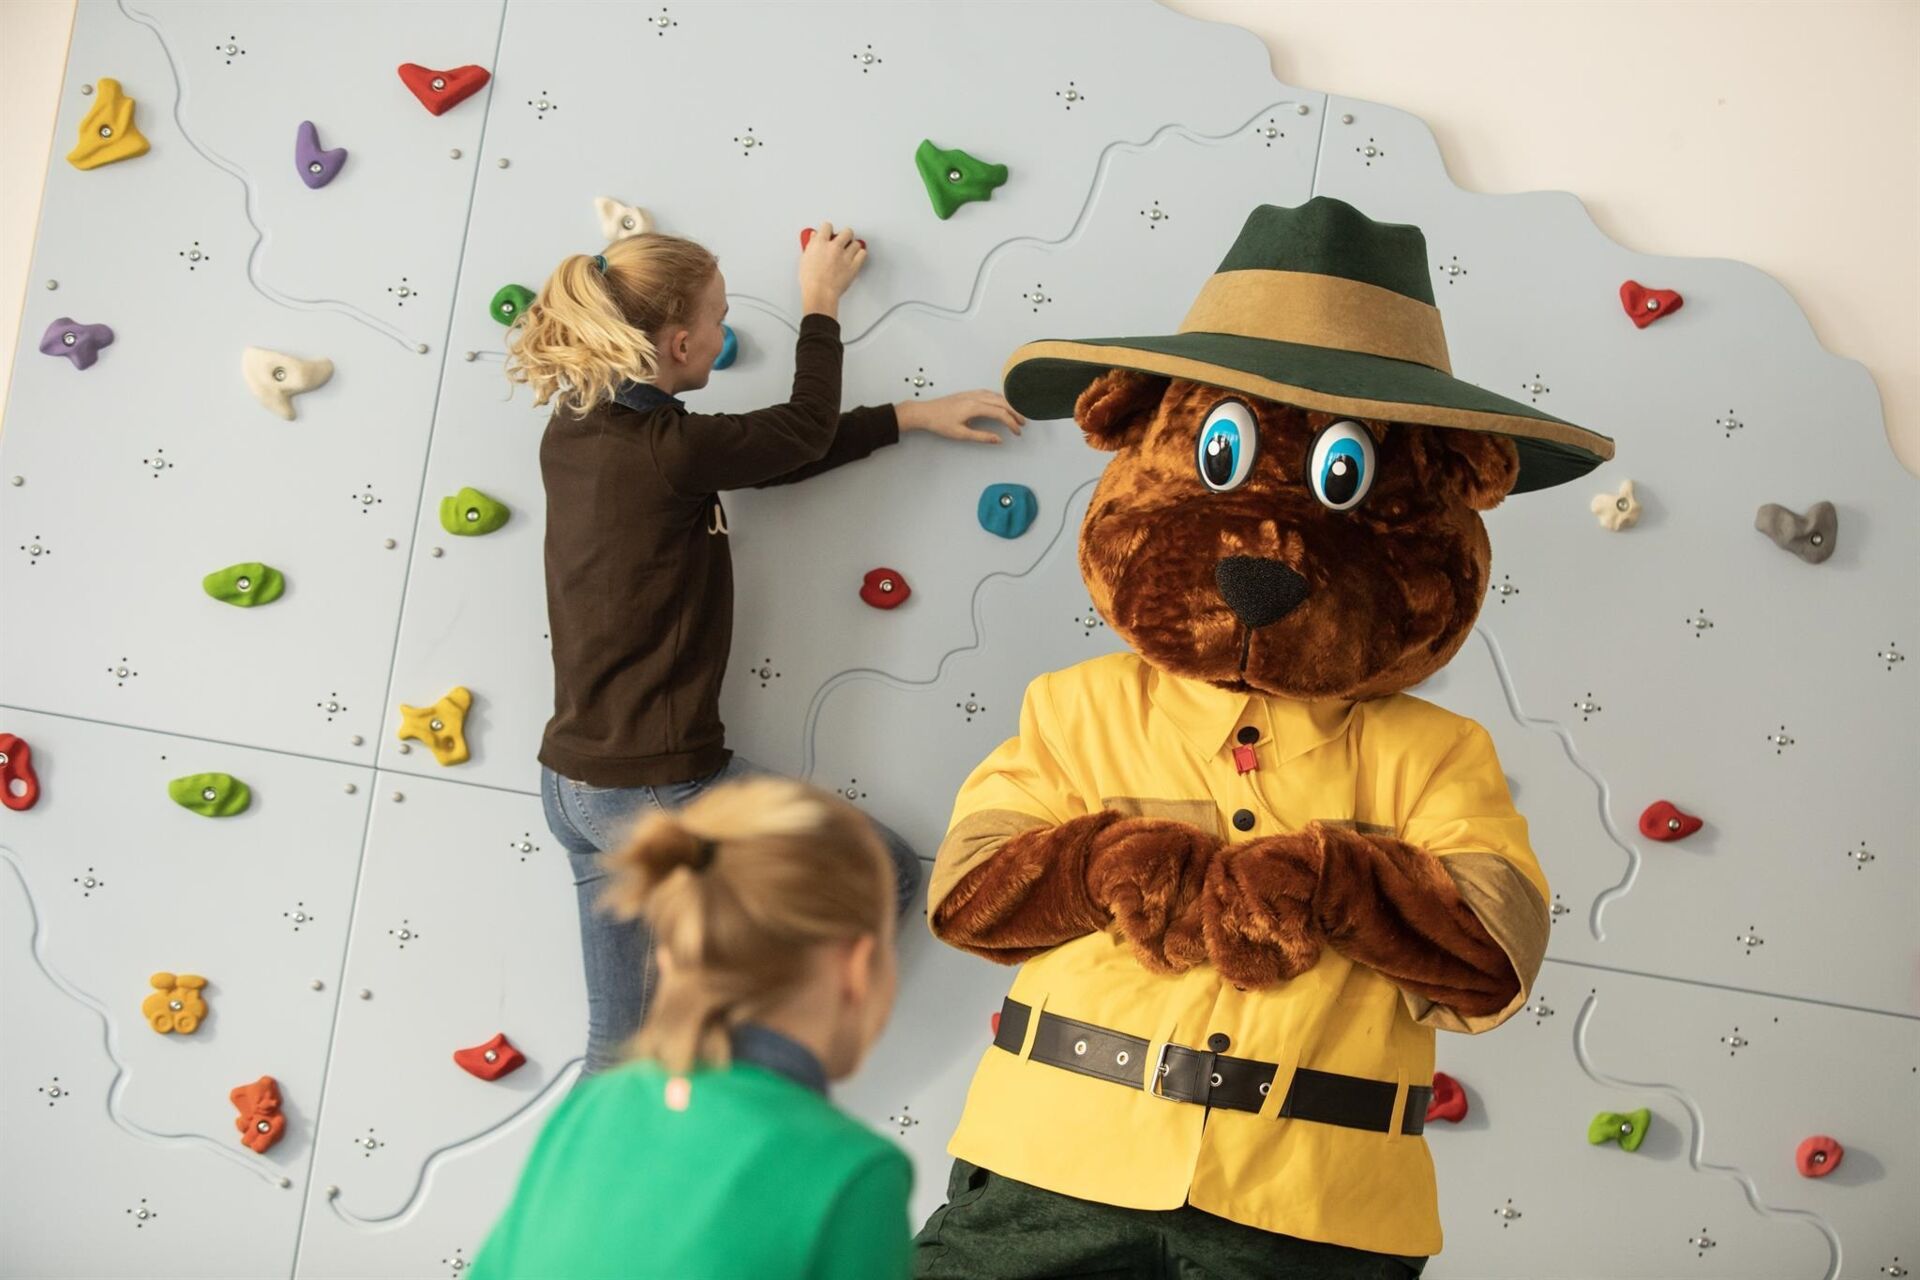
1244, 874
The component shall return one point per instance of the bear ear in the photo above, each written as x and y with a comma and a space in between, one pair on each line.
1480, 465
1114, 410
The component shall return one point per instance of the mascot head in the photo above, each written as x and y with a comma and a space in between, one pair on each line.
1294, 501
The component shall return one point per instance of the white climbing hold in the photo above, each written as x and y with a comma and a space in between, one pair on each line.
618, 221
1617, 511
275, 377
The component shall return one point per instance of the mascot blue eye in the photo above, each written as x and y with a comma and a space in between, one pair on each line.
1340, 466
1228, 442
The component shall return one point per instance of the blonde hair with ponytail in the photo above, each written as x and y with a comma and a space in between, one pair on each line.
737, 886
588, 330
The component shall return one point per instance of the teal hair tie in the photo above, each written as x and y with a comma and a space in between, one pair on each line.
600, 263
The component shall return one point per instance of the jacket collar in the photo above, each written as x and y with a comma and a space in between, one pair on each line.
642, 397
764, 1047
1210, 718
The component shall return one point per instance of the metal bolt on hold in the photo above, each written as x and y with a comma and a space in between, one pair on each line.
279, 373
1269, 132
491, 1055
439, 83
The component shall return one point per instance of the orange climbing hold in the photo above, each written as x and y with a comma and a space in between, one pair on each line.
1818, 1156
806, 235
108, 132
496, 1058
259, 1122
1449, 1101
176, 1004
16, 771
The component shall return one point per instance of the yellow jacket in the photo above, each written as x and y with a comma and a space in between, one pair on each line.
1119, 734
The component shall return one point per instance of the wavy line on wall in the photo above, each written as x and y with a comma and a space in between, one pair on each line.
1696, 1140
440, 1155
977, 292
246, 184
979, 638
1512, 694
121, 1075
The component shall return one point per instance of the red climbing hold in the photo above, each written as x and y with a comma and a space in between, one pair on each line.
1665, 821
1449, 1099
496, 1058
1645, 305
441, 91
259, 1122
885, 589
1818, 1156
995, 1020
16, 767
806, 234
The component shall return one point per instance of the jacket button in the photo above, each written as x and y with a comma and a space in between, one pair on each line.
1219, 1043
1243, 819
1248, 734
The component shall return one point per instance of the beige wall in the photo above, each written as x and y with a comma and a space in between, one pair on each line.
1785, 135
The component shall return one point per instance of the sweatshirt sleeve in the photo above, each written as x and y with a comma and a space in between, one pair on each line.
702, 453
867, 1235
861, 431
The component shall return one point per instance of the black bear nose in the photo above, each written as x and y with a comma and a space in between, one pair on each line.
1259, 591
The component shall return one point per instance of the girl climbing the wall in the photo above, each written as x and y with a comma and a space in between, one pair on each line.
639, 575
715, 1152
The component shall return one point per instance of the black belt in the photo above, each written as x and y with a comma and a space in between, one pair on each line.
1211, 1079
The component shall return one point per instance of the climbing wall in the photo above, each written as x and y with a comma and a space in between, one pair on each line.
374, 907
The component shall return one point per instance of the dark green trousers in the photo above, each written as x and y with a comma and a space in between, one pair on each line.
993, 1228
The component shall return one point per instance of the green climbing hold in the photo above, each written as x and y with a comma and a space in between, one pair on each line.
1627, 1129
211, 795
510, 303
955, 178
246, 585
470, 513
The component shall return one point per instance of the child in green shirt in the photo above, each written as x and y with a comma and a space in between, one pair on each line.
714, 1153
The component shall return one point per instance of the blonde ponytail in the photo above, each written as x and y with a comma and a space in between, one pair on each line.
587, 331
737, 887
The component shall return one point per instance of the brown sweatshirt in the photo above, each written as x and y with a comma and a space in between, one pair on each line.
639, 576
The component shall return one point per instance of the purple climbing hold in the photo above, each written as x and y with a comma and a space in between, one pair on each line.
79, 343
317, 167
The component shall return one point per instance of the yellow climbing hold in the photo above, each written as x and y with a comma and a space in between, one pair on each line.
441, 726
108, 132
176, 1004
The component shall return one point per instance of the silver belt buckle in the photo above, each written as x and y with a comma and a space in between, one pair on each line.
1160, 1073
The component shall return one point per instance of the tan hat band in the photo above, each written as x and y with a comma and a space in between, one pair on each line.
1320, 311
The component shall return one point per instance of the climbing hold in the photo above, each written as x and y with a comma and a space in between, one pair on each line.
884, 589
175, 1004
496, 1058
107, 131
994, 1022
1645, 305
1818, 1156
1665, 821
1449, 1101
441, 726
510, 302
1611, 1126
618, 221
16, 770
470, 513
211, 795
1811, 537
1007, 509
259, 1122
441, 91
79, 343
729, 348
316, 167
806, 235
954, 178
1618, 510
275, 377
245, 585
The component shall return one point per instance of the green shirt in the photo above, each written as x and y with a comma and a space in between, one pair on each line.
758, 1177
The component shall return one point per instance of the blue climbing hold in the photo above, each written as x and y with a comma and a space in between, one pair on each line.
729, 348
1008, 509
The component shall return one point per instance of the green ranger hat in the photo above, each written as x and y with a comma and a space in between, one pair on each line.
1324, 308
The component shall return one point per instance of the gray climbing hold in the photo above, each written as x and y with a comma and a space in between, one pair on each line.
1811, 537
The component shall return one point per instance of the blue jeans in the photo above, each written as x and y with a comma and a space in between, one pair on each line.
589, 821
